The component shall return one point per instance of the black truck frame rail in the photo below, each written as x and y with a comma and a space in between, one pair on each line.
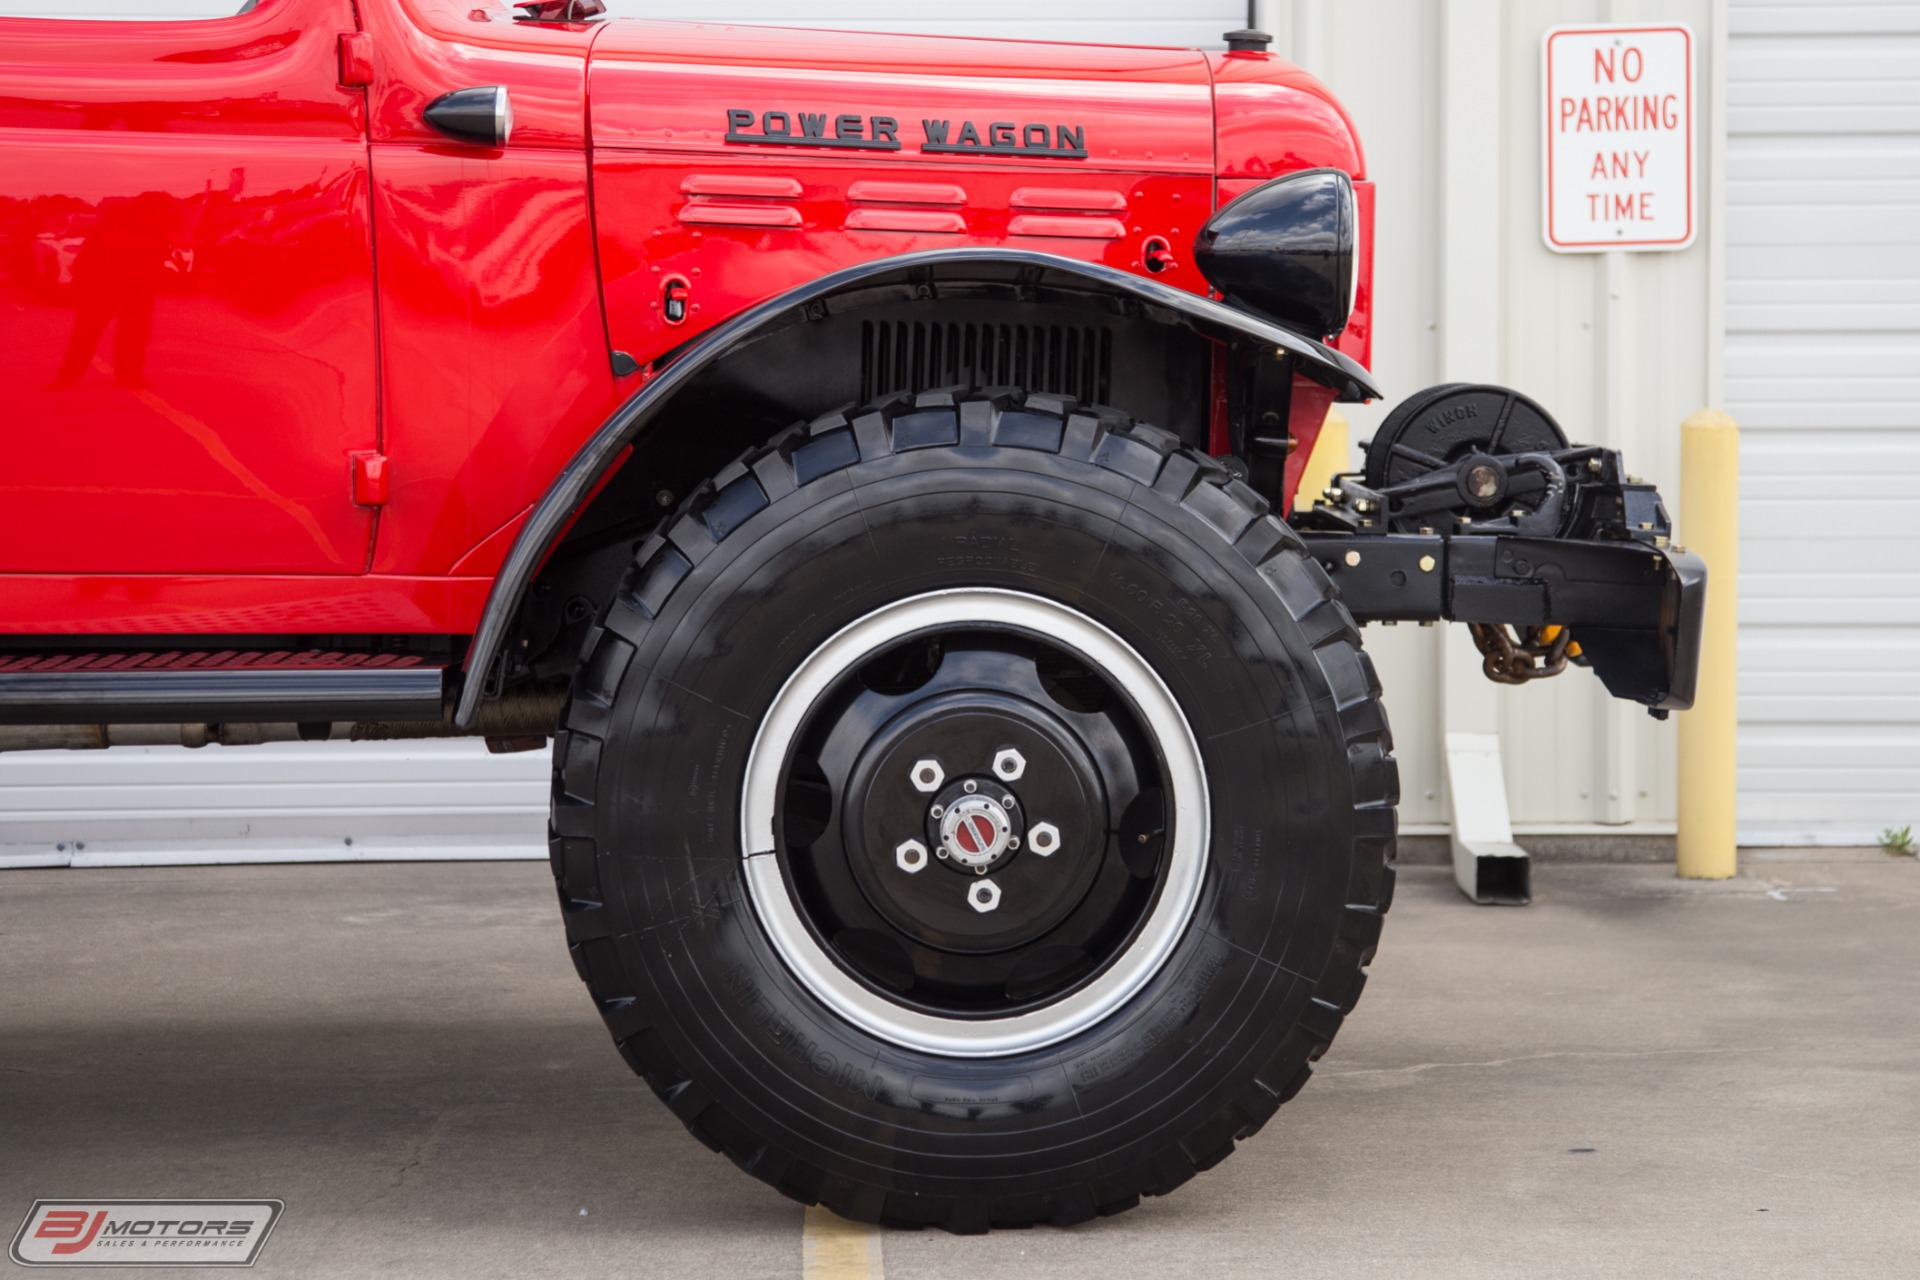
1635, 610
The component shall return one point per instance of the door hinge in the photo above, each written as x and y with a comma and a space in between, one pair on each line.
356, 59
369, 478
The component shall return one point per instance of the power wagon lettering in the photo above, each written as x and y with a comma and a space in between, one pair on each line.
1068, 142
881, 133
851, 132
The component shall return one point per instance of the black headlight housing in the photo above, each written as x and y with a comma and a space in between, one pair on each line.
1285, 251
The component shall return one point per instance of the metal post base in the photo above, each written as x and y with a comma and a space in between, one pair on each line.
1487, 865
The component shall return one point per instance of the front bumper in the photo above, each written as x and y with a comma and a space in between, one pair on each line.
1634, 608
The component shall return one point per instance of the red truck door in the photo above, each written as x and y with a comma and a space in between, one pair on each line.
186, 295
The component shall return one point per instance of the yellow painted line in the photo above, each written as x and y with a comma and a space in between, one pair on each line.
831, 1248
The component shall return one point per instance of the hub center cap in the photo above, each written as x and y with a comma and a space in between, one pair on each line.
974, 831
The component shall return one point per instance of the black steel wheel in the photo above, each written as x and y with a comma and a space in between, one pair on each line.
972, 820
973, 810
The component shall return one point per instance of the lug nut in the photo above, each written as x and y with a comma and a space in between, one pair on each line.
983, 896
910, 856
1008, 765
928, 775
1043, 839
937, 810
970, 786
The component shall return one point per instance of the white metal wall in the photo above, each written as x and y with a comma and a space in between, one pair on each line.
1446, 99
1823, 374
284, 802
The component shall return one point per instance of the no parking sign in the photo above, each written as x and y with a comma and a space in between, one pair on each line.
1619, 138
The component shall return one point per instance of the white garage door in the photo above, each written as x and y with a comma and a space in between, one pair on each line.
351, 801
1823, 373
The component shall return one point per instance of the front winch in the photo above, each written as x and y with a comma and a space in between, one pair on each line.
1474, 508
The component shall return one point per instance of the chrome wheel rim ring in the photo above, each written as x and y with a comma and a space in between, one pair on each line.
1182, 872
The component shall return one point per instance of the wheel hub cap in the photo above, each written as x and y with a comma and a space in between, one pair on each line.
975, 825
975, 832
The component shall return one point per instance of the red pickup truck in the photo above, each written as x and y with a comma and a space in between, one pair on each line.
972, 805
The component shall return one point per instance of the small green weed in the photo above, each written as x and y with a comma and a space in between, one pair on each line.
1899, 843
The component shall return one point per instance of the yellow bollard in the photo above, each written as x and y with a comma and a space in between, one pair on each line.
1710, 521
1328, 459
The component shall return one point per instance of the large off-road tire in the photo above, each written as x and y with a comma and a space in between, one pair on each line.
783, 798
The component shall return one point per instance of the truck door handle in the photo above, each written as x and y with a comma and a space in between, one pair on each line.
673, 299
483, 115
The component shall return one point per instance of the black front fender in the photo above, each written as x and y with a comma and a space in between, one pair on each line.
1016, 274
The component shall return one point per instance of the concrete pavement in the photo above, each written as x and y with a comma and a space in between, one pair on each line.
1633, 1077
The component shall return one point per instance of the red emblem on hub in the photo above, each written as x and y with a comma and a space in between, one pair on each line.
975, 834
974, 831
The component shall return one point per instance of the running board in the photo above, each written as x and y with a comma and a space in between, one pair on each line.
228, 686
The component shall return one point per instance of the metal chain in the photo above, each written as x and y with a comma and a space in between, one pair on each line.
1533, 654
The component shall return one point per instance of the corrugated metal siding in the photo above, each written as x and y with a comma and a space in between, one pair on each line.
1823, 374
323, 801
